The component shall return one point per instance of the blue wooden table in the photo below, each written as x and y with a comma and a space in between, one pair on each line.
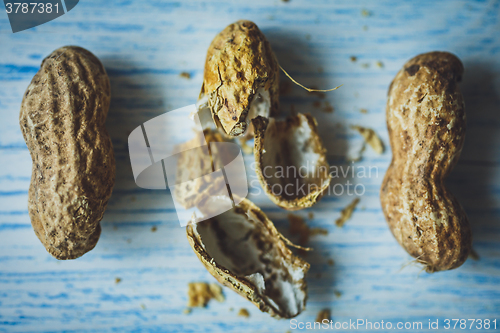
145, 45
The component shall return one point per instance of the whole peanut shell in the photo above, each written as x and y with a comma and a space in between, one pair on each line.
62, 120
426, 123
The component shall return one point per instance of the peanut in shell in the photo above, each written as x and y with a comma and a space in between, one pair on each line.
426, 123
62, 119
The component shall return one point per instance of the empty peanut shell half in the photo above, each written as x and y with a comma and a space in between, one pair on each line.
291, 160
241, 79
243, 250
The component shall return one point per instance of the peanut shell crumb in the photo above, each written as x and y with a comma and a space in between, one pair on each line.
371, 138
366, 13
200, 293
328, 107
346, 213
322, 315
243, 313
299, 227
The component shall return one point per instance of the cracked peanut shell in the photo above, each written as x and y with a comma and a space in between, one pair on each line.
241, 78
243, 250
290, 160
426, 123
62, 120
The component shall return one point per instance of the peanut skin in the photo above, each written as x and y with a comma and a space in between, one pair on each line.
62, 120
426, 123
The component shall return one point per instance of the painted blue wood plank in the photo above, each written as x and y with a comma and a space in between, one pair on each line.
144, 47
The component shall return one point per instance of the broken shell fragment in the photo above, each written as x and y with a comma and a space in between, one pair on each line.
291, 161
241, 79
209, 165
243, 250
194, 174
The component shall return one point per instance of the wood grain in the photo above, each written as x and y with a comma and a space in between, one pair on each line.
144, 47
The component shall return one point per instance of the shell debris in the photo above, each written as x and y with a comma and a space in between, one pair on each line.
200, 293
346, 213
371, 138
298, 226
243, 313
323, 314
